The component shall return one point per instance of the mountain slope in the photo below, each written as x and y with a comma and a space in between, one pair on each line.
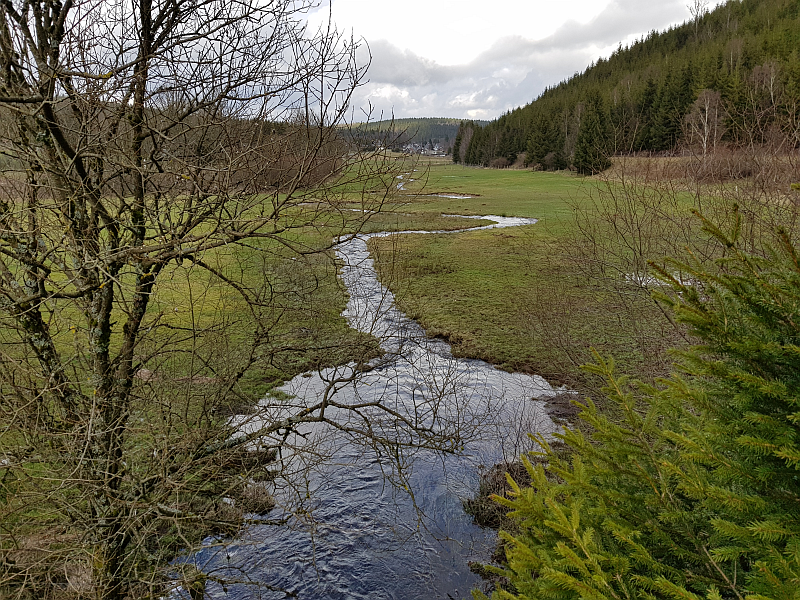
729, 77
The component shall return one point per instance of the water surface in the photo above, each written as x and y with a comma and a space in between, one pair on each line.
362, 522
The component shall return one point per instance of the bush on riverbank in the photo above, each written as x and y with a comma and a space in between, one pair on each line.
688, 489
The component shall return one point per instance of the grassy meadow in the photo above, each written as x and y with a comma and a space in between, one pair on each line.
297, 310
515, 297
200, 329
494, 191
531, 298
200, 333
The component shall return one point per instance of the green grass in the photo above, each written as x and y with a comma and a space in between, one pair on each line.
516, 297
198, 330
485, 291
199, 327
308, 330
507, 192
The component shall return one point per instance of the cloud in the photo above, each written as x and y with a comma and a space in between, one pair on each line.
392, 65
510, 73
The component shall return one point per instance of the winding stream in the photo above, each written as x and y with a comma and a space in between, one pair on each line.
351, 534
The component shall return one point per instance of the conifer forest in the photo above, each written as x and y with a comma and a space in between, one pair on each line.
731, 76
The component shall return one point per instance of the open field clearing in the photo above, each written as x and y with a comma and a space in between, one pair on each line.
538, 298
194, 310
491, 191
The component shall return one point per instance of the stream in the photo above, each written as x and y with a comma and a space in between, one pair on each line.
359, 526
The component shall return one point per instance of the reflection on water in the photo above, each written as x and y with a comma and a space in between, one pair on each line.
361, 525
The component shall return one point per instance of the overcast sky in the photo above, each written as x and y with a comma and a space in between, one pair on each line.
477, 59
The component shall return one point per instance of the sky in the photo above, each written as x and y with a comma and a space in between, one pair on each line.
477, 59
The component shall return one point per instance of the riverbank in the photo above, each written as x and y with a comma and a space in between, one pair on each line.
306, 330
272, 306
527, 299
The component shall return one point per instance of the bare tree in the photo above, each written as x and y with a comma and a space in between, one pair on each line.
163, 159
704, 124
698, 9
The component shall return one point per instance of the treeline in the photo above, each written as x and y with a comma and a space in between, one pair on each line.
730, 77
398, 132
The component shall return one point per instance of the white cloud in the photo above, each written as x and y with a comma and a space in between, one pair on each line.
433, 28
505, 65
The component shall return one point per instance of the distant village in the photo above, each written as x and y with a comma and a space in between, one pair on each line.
420, 136
428, 149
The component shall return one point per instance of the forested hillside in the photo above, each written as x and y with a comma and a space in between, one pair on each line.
397, 132
728, 78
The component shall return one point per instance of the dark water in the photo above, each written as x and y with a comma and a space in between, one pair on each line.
361, 525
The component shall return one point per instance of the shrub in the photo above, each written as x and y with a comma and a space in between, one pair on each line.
499, 163
690, 489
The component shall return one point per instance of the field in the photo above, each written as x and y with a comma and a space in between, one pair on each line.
501, 192
199, 328
199, 337
304, 326
526, 298
522, 298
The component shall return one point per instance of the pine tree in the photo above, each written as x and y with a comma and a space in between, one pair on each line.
457, 144
645, 116
741, 36
475, 149
739, 448
559, 141
675, 97
507, 146
591, 147
690, 490
538, 143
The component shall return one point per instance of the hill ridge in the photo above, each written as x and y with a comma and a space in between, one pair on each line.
740, 59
